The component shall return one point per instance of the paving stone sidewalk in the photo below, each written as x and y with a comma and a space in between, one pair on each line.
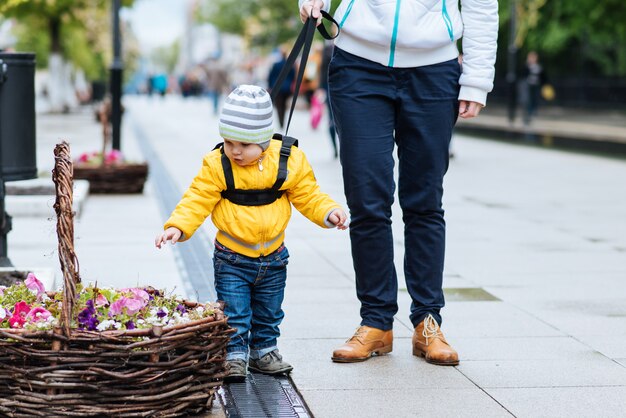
535, 273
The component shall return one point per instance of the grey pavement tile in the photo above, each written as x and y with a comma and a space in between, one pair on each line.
320, 282
319, 321
586, 369
313, 368
518, 348
612, 346
406, 402
583, 324
488, 319
555, 402
310, 263
621, 361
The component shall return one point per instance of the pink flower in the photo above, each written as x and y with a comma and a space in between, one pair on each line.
37, 314
113, 156
101, 300
33, 283
117, 306
132, 306
140, 294
19, 315
2, 290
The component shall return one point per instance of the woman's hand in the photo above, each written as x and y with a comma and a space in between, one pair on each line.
469, 109
311, 8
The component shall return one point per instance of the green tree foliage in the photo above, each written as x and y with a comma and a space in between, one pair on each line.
265, 24
581, 35
79, 30
570, 35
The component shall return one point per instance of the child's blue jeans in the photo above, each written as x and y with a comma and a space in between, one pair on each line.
253, 289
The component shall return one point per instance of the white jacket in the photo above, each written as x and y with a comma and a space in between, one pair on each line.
413, 33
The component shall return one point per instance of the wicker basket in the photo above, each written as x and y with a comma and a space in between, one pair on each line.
113, 178
159, 372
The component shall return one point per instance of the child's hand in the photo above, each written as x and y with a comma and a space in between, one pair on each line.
338, 218
170, 233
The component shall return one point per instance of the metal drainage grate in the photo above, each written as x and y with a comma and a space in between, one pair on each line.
262, 396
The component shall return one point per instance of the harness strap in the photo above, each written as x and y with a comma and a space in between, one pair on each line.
285, 152
258, 197
303, 42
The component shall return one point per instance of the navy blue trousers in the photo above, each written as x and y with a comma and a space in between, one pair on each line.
377, 108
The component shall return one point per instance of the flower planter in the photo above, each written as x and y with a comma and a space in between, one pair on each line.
73, 353
113, 178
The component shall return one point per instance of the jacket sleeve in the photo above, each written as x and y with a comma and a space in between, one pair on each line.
480, 36
305, 194
198, 201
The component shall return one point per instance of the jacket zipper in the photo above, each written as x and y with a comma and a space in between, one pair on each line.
345, 15
394, 35
447, 20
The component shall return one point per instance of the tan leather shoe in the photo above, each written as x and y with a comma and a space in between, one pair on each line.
365, 342
429, 342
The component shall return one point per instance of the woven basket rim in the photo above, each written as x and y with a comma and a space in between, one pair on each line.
115, 164
142, 332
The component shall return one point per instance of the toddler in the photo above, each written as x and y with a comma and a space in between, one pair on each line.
247, 186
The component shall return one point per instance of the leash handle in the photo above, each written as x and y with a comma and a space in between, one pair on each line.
303, 43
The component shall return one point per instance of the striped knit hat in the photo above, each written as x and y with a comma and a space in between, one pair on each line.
247, 116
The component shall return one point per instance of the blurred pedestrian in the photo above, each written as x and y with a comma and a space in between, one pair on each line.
217, 82
250, 256
159, 84
284, 90
327, 54
395, 80
534, 78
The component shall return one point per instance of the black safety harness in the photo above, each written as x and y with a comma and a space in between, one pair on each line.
259, 197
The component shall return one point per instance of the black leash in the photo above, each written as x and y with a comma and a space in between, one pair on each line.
303, 42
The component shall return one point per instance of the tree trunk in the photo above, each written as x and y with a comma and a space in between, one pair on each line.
54, 25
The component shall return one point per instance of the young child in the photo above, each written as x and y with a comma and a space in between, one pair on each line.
244, 189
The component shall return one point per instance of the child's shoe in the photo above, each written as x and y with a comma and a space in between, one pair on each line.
236, 371
271, 363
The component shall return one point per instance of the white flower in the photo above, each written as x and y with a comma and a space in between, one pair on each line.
106, 324
42, 325
3, 312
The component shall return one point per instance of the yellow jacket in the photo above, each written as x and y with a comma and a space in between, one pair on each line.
251, 230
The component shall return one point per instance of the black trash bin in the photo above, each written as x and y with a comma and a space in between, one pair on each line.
17, 116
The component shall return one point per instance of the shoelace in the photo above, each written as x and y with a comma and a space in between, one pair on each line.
431, 328
358, 333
